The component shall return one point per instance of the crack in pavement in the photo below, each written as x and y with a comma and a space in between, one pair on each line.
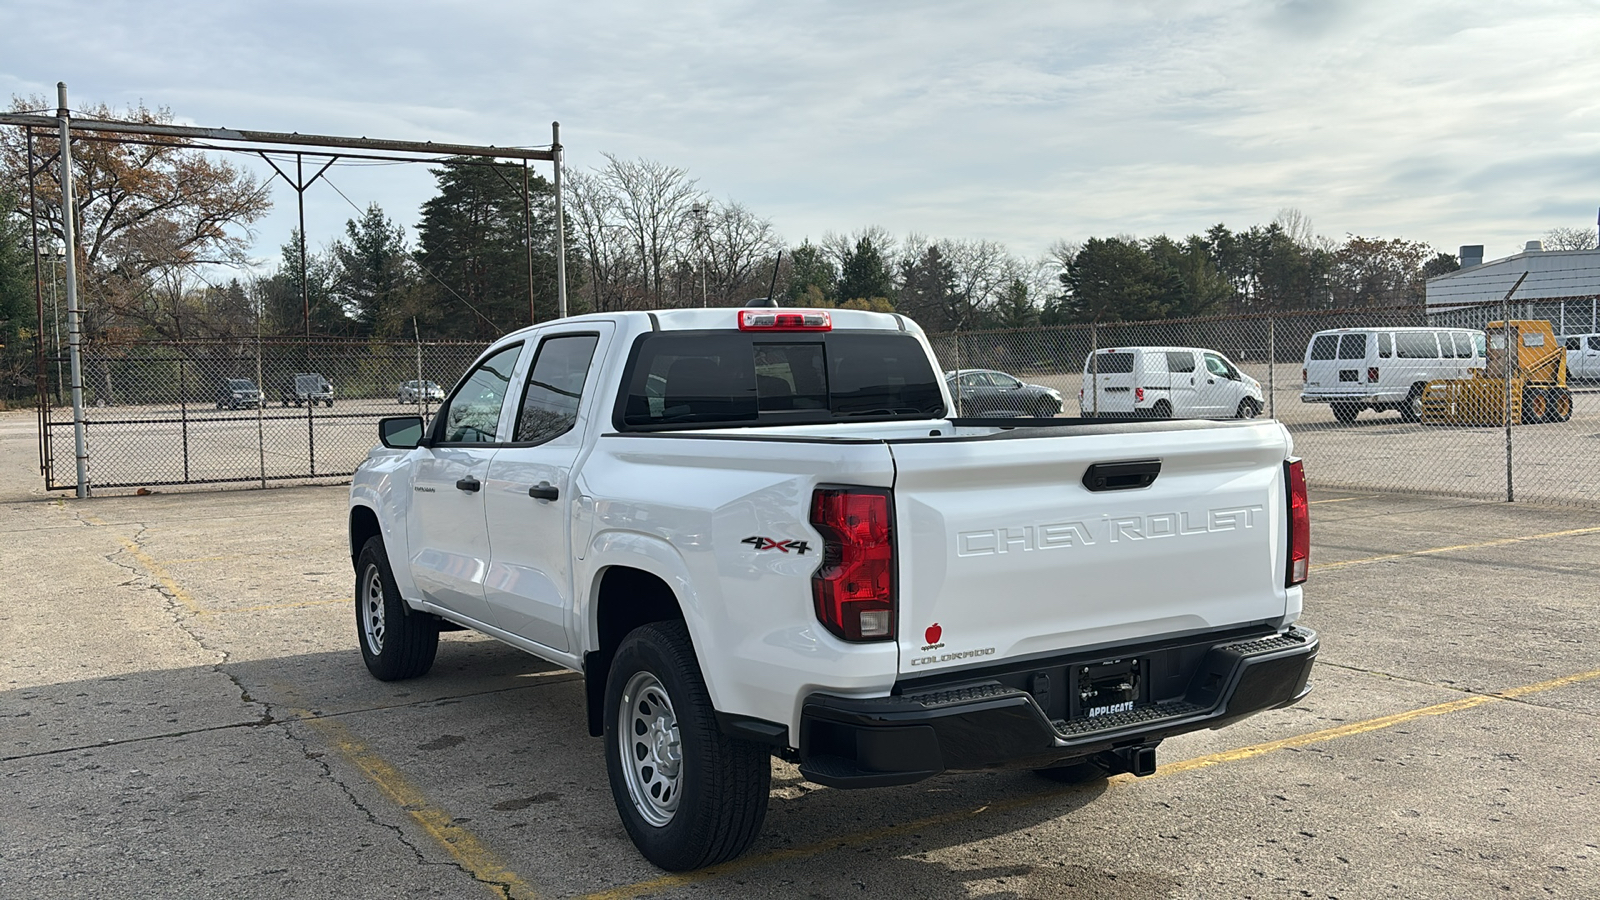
1471, 692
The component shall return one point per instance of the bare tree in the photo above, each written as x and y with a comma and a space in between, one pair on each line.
652, 203
737, 243
1570, 239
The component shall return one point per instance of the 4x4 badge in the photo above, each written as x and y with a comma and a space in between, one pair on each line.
766, 543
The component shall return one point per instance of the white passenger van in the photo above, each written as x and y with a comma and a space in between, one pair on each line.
1352, 369
1167, 382
1583, 356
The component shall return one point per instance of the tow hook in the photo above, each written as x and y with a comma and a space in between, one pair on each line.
1139, 760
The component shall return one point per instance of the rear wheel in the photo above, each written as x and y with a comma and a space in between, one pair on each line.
1411, 408
396, 641
1535, 406
1162, 410
1558, 404
1346, 413
1248, 409
689, 795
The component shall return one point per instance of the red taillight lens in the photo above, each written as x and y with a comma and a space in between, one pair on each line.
1372, 373
854, 587
1303, 377
1138, 395
1299, 523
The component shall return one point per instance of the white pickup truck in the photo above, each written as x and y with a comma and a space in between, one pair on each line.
760, 532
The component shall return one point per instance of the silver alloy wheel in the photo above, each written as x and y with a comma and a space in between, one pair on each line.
372, 612
652, 752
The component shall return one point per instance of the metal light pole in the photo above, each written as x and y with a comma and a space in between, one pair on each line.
561, 224
74, 316
699, 211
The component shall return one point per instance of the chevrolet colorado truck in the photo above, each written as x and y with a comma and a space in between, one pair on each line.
761, 532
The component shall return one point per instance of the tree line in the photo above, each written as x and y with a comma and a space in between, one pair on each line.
165, 229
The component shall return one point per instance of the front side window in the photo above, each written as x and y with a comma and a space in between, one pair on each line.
1463, 343
1216, 365
1353, 346
1594, 342
1574, 343
473, 415
555, 385
1004, 381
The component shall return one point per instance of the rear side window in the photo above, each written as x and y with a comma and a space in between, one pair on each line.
1385, 345
1109, 363
1463, 343
1353, 346
685, 379
1180, 362
555, 385
1325, 346
1447, 349
1416, 345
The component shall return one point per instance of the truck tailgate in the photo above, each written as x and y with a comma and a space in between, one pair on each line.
1004, 553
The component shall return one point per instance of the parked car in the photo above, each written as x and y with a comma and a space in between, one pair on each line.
414, 392
1167, 382
304, 388
760, 533
1352, 369
1583, 356
237, 393
986, 392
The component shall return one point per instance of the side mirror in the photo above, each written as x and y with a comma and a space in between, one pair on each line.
400, 432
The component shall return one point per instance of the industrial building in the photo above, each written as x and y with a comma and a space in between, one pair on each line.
1562, 286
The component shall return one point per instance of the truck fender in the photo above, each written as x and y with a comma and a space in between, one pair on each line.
649, 555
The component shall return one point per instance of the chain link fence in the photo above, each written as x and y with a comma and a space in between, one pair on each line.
213, 412
1547, 461
183, 413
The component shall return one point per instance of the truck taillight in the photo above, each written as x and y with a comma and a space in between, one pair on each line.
853, 589
785, 320
1299, 523
1138, 395
1372, 373
1303, 377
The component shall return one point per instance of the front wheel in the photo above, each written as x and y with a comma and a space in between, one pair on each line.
1558, 404
689, 795
396, 641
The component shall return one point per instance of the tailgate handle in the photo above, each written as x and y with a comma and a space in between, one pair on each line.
1122, 476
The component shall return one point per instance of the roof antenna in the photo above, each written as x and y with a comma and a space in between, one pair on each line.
767, 301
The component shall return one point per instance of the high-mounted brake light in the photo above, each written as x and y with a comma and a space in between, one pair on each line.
853, 589
1299, 523
784, 320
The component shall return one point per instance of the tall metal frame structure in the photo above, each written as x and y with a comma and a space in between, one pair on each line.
253, 142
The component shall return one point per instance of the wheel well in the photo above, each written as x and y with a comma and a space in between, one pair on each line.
363, 527
626, 599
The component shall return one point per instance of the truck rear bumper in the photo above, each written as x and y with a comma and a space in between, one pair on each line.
988, 723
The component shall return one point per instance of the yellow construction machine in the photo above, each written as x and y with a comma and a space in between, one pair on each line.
1537, 374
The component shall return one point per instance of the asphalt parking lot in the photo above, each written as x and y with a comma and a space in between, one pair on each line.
184, 713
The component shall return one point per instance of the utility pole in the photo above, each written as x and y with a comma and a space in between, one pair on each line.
74, 315
561, 225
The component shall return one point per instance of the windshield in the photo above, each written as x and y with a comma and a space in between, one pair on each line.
688, 378
239, 384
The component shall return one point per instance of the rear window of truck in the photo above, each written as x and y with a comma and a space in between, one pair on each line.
685, 379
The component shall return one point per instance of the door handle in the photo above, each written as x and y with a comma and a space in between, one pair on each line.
544, 490
469, 484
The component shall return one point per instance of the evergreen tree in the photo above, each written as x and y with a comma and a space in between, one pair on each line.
811, 277
928, 292
371, 272
17, 312
864, 274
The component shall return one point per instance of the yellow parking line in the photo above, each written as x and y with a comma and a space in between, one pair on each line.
460, 843
1188, 765
160, 575
1495, 543
267, 607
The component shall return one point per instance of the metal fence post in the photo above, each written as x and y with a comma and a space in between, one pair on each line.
74, 314
183, 412
1094, 366
1272, 360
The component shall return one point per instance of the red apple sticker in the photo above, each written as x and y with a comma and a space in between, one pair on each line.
933, 633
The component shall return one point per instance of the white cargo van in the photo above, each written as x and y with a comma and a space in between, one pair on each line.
1167, 382
1352, 369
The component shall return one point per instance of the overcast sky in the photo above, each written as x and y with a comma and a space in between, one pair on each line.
1022, 122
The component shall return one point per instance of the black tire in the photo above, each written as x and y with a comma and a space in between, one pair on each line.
1535, 406
711, 808
1081, 771
397, 642
330, 404
1162, 410
1248, 409
1558, 406
1345, 413
1411, 407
